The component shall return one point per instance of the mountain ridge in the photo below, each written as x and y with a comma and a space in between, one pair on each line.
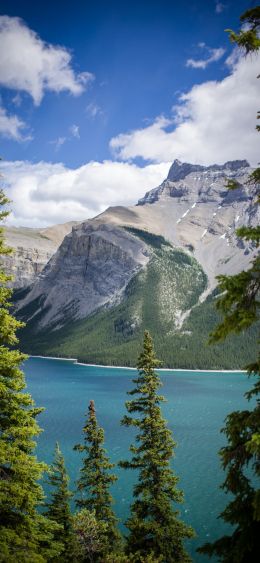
89, 274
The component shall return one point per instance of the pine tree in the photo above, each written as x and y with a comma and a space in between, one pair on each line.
239, 303
95, 478
25, 535
58, 507
155, 529
91, 535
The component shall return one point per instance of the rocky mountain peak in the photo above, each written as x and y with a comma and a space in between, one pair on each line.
179, 170
195, 180
236, 164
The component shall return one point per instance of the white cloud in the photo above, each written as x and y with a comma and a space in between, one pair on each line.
213, 122
29, 64
12, 126
214, 56
17, 100
93, 110
45, 194
74, 130
58, 142
219, 7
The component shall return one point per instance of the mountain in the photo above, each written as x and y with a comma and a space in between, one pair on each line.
91, 268
151, 266
33, 248
194, 211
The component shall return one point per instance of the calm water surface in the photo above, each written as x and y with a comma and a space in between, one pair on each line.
197, 404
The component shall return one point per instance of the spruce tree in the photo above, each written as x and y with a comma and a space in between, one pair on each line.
25, 535
91, 536
154, 525
95, 478
58, 507
239, 303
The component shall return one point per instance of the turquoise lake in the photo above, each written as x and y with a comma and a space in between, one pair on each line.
197, 404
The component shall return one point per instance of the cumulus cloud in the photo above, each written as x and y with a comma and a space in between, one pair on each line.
213, 122
45, 194
12, 127
29, 64
214, 55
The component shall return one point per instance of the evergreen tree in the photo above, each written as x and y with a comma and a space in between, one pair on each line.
95, 478
155, 529
58, 507
239, 302
91, 536
25, 535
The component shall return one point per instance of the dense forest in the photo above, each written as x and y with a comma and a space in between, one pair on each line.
173, 280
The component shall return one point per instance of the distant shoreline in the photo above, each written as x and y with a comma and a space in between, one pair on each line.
75, 361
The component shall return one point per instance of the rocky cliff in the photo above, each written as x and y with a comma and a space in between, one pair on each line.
91, 269
32, 249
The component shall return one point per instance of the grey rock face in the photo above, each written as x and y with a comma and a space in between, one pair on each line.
32, 249
25, 264
91, 269
194, 210
182, 177
179, 170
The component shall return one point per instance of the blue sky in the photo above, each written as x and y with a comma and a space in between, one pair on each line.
119, 82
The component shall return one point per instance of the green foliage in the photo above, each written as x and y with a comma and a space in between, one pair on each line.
154, 526
58, 508
3, 214
25, 535
111, 337
254, 178
249, 233
239, 301
156, 241
133, 558
91, 537
95, 478
248, 39
232, 184
240, 458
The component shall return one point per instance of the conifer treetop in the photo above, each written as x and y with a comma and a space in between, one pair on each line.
155, 530
96, 477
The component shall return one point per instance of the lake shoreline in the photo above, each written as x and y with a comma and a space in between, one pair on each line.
75, 361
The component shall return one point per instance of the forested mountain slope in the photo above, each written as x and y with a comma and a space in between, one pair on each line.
149, 266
